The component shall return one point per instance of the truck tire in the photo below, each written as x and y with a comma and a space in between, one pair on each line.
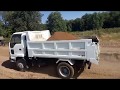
21, 65
65, 70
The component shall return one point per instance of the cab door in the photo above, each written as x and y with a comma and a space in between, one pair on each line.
16, 47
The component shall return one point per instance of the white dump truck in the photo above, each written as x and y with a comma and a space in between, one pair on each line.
31, 48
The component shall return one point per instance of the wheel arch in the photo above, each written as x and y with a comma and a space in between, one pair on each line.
69, 61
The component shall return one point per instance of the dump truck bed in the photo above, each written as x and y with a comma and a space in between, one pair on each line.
82, 49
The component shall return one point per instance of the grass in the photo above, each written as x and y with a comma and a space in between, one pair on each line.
103, 34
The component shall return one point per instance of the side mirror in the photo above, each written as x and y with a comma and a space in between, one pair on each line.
12, 45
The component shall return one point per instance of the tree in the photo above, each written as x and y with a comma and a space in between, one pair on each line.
76, 25
69, 25
115, 18
92, 21
1, 29
3, 32
55, 22
86, 22
43, 26
22, 20
106, 19
97, 21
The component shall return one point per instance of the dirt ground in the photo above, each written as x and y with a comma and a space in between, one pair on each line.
108, 68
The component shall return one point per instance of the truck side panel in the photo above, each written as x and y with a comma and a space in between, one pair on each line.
71, 49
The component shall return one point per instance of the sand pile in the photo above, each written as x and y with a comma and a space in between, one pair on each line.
62, 36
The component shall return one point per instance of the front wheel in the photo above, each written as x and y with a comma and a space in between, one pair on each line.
65, 70
21, 65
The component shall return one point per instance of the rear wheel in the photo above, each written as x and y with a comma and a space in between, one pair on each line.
21, 65
65, 70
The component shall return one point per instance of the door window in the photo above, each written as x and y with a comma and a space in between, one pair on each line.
16, 39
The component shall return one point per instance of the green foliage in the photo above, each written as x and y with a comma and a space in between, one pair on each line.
86, 22
69, 25
55, 22
17, 21
13, 21
95, 21
23, 20
76, 25
43, 27
0, 29
92, 21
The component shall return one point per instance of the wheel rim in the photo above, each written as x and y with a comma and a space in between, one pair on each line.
20, 65
64, 71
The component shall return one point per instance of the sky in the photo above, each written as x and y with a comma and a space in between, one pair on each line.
68, 15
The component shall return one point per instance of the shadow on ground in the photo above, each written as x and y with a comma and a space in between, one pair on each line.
48, 69
8, 64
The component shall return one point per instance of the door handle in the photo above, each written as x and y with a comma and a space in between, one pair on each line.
19, 49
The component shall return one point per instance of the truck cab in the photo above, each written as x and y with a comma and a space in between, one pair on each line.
17, 46
18, 42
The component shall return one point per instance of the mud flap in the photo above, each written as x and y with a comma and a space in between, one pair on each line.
89, 64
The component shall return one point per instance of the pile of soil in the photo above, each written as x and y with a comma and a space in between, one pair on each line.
62, 36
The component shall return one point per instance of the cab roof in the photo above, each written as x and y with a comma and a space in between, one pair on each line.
26, 31
18, 33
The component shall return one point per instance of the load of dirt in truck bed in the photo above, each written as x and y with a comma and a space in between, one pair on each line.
62, 36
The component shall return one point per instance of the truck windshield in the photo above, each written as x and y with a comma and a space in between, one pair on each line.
16, 39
